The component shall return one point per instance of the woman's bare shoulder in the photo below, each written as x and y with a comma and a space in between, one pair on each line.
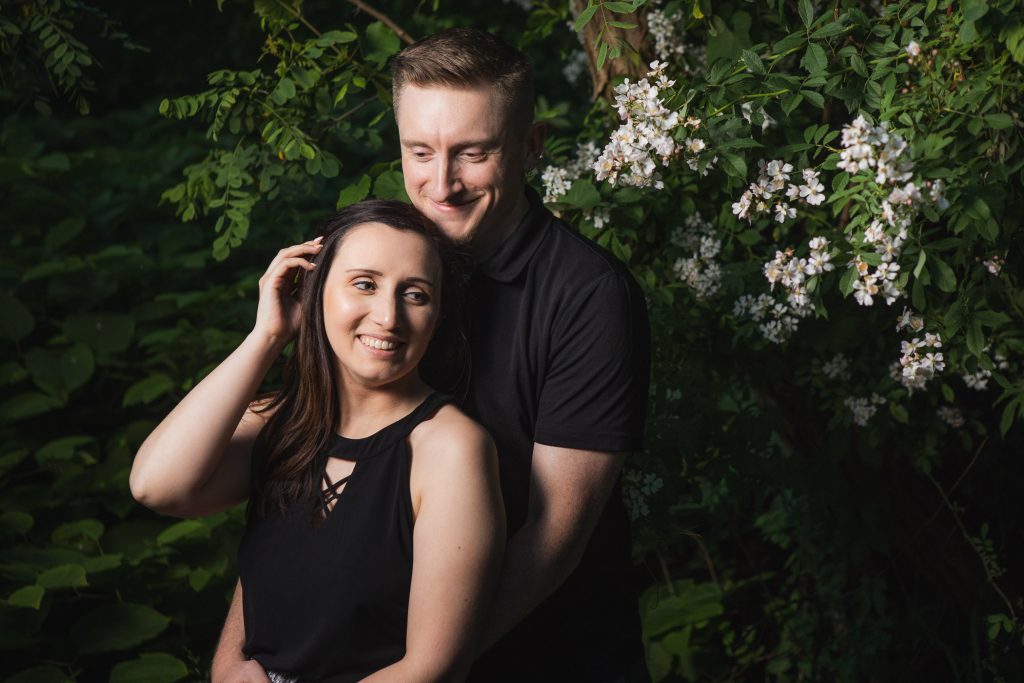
452, 432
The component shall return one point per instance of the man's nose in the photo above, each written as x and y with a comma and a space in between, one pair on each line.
446, 178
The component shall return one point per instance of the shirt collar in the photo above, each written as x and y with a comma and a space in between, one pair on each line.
510, 257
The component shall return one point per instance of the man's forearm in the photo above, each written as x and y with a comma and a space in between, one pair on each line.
533, 569
232, 638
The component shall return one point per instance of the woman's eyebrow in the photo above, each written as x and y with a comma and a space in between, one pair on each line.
380, 274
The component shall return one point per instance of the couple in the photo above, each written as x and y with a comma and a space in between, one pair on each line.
376, 547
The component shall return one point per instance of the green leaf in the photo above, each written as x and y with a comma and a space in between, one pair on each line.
602, 55
180, 530
69, 532
944, 276
752, 61
284, 91
39, 674
354, 193
922, 257
147, 390
1009, 412
991, 318
15, 319
62, 449
814, 98
847, 280
584, 17
619, 7
806, 8
975, 339
814, 60
63, 576
390, 185
29, 596
335, 37
117, 626
582, 194
898, 412
105, 332
76, 366
151, 668
15, 522
64, 232
999, 121
26, 405
383, 42
102, 563
734, 165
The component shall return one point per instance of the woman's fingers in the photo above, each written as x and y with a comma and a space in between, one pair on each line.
311, 247
278, 273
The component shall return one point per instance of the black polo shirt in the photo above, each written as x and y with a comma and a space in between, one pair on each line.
561, 356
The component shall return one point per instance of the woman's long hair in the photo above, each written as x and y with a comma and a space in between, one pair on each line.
290, 453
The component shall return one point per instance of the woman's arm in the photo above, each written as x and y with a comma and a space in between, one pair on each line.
196, 462
458, 541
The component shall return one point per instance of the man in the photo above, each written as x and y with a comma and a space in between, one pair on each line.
560, 359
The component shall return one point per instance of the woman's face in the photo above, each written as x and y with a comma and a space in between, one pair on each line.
381, 300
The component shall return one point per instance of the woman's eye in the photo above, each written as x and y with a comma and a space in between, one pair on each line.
364, 285
417, 296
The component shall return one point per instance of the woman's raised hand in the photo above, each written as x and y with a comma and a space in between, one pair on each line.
278, 314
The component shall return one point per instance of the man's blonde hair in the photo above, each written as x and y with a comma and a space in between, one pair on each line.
466, 58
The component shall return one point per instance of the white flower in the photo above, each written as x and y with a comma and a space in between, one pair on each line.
913, 49
784, 211
952, 416
838, 368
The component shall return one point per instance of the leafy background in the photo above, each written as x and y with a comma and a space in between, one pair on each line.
151, 159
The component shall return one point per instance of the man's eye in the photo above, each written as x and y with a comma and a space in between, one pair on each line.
474, 156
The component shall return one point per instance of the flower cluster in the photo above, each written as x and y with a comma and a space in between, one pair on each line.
777, 321
952, 416
862, 408
874, 149
700, 271
637, 489
773, 192
979, 380
670, 42
575, 66
908, 320
993, 265
921, 360
646, 137
557, 180
838, 368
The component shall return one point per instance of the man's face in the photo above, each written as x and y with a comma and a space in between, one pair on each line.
463, 160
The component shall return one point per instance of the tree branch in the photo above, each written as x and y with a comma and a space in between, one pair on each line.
385, 19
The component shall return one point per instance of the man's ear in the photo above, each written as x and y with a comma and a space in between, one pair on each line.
534, 145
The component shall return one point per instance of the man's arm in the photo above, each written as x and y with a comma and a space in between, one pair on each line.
229, 664
568, 492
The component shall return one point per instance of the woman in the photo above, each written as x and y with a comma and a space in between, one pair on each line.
352, 469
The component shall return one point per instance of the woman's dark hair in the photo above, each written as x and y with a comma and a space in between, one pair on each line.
290, 453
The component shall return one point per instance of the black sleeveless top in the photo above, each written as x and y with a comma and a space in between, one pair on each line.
330, 601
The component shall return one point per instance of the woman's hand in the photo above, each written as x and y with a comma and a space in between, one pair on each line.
278, 314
